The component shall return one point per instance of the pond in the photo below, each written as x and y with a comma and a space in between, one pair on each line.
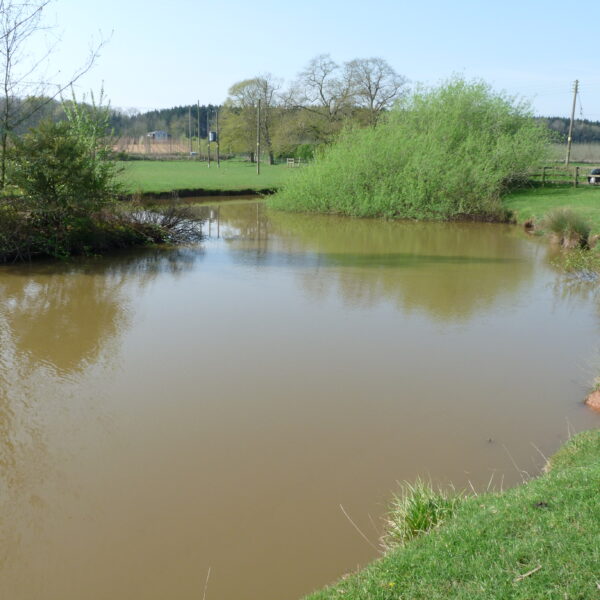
218, 420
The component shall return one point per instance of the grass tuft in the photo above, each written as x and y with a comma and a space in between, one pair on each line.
415, 511
569, 228
537, 540
581, 262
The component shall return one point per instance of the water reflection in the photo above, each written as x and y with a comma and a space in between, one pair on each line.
450, 271
60, 328
173, 410
67, 315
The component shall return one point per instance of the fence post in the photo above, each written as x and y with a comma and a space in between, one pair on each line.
543, 176
576, 176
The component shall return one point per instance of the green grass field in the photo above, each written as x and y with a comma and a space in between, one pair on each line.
538, 540
537, 203
151, 176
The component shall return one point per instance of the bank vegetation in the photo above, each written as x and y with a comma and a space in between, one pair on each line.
446, 153
61, 194
537, 540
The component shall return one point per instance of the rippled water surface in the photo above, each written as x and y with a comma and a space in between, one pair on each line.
167, 412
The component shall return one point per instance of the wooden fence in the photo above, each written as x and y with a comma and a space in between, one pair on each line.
560, 175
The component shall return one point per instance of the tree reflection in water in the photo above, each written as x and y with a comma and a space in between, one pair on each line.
58, 324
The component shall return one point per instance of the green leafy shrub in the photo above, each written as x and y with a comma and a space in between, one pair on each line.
305, 152
416, 510
17, 236
64, 184
57, 172
64, 189
446, 153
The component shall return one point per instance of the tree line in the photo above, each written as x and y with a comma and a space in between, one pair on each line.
324, 98
292, 124
312, 109
584, 130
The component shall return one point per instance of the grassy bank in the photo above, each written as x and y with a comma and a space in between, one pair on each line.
538, 202
151, 176
538, 540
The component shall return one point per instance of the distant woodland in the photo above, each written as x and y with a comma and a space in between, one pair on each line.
287, 130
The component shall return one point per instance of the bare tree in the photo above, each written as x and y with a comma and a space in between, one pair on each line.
23, 76
323, 87
374, 84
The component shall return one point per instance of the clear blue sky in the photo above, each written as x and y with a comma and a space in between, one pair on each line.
174, 52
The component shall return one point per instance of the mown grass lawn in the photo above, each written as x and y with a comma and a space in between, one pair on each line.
150, 176
538, 202
538, 540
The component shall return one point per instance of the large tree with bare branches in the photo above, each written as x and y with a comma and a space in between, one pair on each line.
323, 87
374, 85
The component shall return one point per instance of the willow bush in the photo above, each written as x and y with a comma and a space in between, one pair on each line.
444, 153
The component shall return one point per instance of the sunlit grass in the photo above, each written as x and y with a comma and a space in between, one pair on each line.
538, 540
153, 176
536, 203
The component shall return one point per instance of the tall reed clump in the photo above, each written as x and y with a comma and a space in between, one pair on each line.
416, 510
444, 153
567, 228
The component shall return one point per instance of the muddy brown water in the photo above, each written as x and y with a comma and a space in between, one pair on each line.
166, 412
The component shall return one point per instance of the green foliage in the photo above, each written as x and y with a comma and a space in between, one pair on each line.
305, 152
416, 510
64, 187
17, 235
90, 123
445, 153
58, 170
64, 183
64, 191
583, 263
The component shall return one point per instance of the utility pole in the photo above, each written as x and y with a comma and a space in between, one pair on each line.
208, 134
570, 138
218, 144
190, 128
258, 138
198, 129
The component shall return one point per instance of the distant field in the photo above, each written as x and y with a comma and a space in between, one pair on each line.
158, 176
587, 153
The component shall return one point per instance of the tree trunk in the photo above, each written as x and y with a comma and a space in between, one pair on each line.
4, 145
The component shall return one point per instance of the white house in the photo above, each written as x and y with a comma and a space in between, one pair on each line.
159, 136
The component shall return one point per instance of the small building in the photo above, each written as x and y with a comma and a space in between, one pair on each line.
159, 136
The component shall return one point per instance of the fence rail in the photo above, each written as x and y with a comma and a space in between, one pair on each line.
561, 175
